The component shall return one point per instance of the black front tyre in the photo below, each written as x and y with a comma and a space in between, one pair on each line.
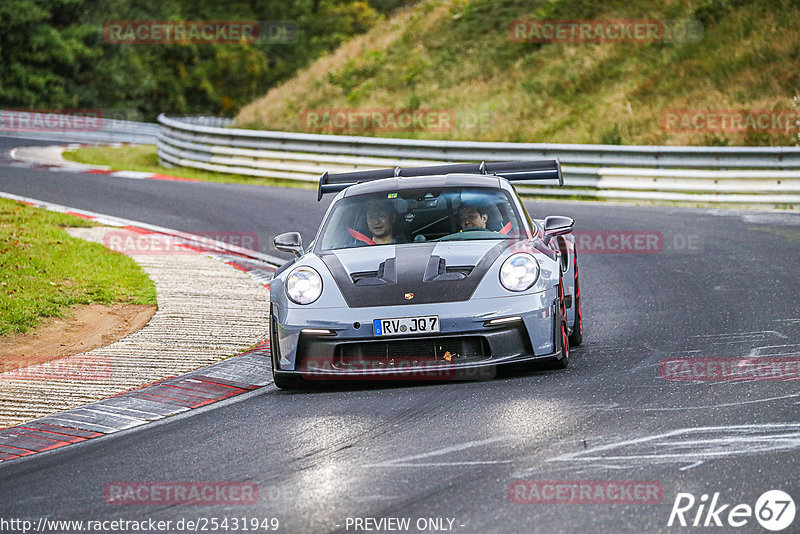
576, 337
564, 361
287, 381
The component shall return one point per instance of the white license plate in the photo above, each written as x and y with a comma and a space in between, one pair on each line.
404, 326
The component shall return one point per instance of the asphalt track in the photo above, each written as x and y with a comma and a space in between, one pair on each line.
722, 284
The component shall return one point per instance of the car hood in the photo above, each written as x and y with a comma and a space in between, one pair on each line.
414, 273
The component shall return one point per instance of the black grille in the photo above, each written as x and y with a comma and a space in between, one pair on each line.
412, 351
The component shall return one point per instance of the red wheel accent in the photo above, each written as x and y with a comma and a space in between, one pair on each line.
576, 337
564, 335
578, 314
562, 362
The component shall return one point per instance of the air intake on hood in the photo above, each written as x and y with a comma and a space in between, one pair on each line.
438, 270
386, 274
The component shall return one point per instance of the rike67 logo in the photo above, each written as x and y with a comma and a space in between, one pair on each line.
774, 510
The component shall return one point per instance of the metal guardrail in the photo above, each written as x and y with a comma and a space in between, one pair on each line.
65, 129
744, 174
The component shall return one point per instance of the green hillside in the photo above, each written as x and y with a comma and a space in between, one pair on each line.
456, 59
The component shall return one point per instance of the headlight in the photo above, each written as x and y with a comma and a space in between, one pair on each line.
519, 272
303, 285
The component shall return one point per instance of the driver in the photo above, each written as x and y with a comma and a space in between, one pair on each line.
380, 220
472, 216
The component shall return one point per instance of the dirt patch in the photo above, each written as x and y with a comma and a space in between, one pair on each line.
91, 326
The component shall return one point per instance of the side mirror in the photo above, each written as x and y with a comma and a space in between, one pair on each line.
557, 225
289, 242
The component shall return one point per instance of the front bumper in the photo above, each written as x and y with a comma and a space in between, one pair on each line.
331, 343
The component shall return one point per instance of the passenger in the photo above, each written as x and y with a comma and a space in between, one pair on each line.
472, 216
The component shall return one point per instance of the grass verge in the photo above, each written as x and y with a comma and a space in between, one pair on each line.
457, 57
44, 271
144, 158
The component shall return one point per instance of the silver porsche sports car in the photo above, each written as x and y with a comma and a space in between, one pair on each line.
429, 273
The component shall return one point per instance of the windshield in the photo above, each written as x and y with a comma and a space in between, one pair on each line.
421, 216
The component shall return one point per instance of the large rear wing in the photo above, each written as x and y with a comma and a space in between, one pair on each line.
549, 169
